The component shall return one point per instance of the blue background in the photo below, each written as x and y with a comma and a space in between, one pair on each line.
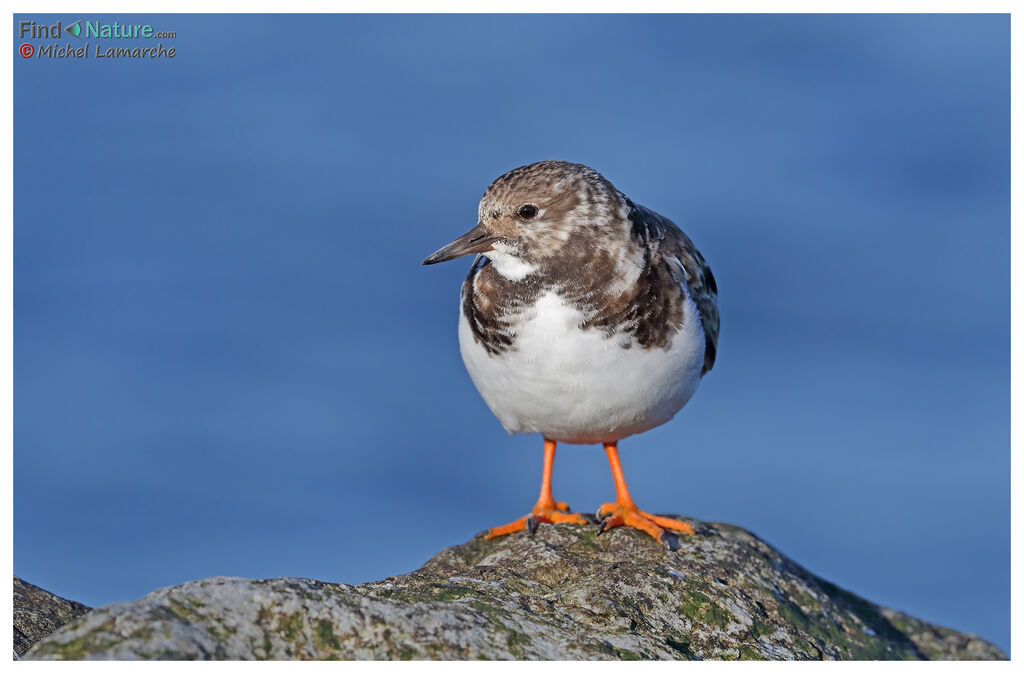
228, 359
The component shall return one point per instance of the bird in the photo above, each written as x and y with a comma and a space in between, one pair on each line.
586, 318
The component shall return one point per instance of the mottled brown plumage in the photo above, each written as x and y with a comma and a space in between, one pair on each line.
588, 264
674, 244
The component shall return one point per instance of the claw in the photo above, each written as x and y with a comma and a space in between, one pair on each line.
532, 524
670, 541
609, 523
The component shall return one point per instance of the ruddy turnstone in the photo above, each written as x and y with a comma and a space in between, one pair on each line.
586, 318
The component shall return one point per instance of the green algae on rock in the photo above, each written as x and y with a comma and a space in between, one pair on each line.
560, 594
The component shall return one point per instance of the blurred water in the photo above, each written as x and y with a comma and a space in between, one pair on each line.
229, 361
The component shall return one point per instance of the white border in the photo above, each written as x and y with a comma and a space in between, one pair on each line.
501, 6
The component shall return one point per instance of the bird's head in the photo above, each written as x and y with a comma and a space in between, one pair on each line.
534, 213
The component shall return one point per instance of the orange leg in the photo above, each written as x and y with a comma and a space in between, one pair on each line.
625, 513
547, 508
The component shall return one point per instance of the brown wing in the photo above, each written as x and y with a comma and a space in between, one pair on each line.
668, 240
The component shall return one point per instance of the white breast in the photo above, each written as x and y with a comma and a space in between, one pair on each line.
580, 386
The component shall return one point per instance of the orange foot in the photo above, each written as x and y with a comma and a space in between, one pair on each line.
545, 511
627, 514
547, 508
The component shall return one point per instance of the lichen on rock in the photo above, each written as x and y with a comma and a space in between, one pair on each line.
562, 593
38, 613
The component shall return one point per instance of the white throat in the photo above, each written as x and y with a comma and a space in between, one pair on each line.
509, 265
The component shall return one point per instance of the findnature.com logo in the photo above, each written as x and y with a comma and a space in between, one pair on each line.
83, 30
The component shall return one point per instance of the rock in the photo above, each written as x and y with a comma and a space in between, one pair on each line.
37, 613
564, 593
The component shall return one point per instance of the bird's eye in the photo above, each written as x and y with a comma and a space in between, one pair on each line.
527, 211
